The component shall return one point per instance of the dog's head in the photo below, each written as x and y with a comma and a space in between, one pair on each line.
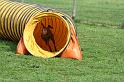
49, 26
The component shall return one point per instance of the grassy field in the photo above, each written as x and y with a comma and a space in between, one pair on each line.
100, 38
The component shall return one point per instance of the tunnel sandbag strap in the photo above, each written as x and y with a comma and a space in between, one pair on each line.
30, 41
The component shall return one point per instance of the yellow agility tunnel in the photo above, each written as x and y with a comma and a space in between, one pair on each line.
46, 33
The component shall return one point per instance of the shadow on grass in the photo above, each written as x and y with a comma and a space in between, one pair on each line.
8, 45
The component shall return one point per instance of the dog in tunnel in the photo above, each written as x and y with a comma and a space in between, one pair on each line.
47, 35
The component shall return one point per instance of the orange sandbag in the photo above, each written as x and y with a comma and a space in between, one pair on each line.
73, 50
21, 49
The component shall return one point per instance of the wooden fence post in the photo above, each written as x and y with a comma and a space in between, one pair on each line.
74, 6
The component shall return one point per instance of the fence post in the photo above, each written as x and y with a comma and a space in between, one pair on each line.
74, 6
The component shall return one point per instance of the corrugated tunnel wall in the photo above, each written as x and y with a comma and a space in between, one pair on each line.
30, 21
13, 18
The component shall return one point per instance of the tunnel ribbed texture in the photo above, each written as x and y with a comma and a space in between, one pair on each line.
13, 18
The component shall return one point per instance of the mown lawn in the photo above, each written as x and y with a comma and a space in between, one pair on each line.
101, 41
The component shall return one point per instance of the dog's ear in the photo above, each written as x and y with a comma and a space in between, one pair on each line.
50, 26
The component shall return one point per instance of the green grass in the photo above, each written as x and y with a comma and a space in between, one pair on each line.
101, 41
104, 12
